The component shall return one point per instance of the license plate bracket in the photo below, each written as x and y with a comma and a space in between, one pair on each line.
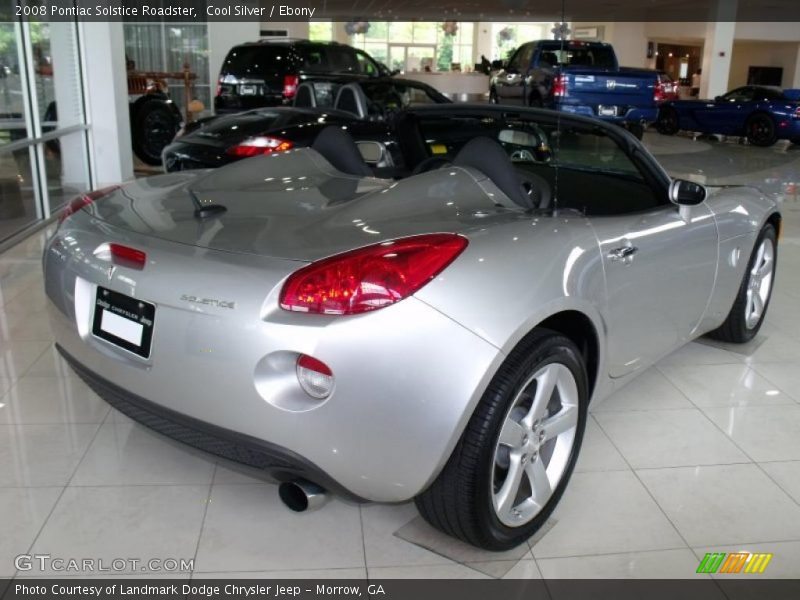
124, 321
605, 110
247, 90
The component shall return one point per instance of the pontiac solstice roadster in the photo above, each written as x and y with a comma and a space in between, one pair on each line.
435, 335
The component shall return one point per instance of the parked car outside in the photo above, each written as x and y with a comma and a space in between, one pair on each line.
761, 114
268, 72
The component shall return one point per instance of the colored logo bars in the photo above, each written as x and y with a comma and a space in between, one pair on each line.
735, 562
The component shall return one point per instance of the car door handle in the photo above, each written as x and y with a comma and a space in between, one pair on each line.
623, 254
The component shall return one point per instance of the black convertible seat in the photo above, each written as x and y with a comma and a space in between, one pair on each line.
488, 157
339, 149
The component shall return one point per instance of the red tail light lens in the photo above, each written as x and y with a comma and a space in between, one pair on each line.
659, 92
560, 85
81, 201
290, 83
127, 256
370, 278
262, 144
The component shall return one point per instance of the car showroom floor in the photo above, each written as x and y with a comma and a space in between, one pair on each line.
701, 453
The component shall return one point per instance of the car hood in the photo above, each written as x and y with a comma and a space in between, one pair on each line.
295, 205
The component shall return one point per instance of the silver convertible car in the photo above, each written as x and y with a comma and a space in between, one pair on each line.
436, 333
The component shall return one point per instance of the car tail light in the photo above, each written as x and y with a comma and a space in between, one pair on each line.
370, 278
262, 144
315, 377
78, 203
219, 87
127, 256
659, 92
560, 85
290, 83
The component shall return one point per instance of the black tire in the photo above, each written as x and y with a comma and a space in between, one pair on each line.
735, 329
460, 500
535, 100
668, 122
154, 127
637, 129
760, 130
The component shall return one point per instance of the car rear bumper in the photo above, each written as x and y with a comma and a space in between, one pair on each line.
279, 462
407, 376
631, 115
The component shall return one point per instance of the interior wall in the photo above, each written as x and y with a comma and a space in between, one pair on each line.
763, 54
630, 43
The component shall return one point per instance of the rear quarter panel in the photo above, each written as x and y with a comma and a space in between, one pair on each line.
517, 272
740, 213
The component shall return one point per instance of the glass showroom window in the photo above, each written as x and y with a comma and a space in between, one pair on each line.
507, 37
43, 145
161, 47
414, 46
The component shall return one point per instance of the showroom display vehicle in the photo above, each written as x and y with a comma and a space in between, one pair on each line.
268, 72
761, 114
435, 336
582, 78
364, 105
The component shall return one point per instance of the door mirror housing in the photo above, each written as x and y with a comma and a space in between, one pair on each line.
719, 99
686, 193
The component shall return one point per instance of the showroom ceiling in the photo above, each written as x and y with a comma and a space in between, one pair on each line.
572, 10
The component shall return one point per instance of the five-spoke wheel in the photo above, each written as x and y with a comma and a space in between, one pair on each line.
515, 457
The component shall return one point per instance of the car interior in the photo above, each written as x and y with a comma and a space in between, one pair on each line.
536, 165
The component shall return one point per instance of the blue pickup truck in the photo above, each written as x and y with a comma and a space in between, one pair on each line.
579, 77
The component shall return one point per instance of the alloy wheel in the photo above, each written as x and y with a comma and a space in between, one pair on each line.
759, 283
535, 444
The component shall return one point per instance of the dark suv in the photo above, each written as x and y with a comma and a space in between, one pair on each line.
267, 73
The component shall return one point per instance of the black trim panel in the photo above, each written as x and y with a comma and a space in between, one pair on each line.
279, 462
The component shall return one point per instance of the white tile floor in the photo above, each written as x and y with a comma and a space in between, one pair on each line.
702, 453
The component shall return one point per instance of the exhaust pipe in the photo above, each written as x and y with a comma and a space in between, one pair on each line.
301, 495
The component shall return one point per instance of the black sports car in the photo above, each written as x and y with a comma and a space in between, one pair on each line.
363, 106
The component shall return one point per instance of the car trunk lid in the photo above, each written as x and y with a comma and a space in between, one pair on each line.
292, 205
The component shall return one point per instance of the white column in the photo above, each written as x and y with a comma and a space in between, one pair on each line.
717, 49
795, 77
107, 102
66, 85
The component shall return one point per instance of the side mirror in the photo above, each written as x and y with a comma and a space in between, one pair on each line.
718, 98
686, 193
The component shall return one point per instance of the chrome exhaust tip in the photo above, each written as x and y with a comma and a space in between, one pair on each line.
301, 495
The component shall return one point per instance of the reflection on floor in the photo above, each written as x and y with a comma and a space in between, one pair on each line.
700, 454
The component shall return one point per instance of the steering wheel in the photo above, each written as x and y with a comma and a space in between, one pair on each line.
431, 164
537, 189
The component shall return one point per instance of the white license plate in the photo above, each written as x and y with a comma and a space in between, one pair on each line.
607, 111
124, 321
247, 90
